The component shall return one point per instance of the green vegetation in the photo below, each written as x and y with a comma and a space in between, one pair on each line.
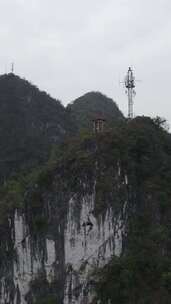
92, 105
142, 278
47, 293
142, 274
128, 148
30, 123
12, 193
131, 162
47, 300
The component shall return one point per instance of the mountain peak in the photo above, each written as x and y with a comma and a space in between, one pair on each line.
91, 104
30, 122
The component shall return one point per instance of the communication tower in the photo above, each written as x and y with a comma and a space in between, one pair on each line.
130, 91
12, 67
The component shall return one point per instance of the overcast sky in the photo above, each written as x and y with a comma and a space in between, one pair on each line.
70, 47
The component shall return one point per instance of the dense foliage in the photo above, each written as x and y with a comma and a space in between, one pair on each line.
142, 275
30, 122
141, 150
91, 106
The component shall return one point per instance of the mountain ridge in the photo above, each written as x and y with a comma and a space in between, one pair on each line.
31, 122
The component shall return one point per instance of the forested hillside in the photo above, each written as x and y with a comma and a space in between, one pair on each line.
142, 274
94, 222
92, 105
84, 217
30, 122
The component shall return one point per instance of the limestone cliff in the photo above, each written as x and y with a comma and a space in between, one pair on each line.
75, 216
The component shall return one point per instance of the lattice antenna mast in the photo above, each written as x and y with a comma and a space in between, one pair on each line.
130, 86
12, 68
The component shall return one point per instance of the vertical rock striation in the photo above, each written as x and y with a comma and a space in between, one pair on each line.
60, 260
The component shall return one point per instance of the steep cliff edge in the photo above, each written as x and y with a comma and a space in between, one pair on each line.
98, 197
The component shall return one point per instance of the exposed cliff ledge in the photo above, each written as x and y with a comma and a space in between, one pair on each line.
77, 213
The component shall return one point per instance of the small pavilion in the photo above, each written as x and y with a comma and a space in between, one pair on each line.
99, 124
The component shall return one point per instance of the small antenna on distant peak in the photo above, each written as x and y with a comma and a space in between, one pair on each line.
12, 68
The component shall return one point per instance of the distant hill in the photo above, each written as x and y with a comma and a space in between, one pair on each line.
89, 106
30, 122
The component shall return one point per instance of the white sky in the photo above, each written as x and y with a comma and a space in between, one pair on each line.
70, 47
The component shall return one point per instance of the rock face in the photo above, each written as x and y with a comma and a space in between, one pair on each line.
58, 263
51, 245
89, 243
101, 196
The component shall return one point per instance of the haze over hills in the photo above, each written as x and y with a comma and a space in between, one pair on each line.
31, 122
